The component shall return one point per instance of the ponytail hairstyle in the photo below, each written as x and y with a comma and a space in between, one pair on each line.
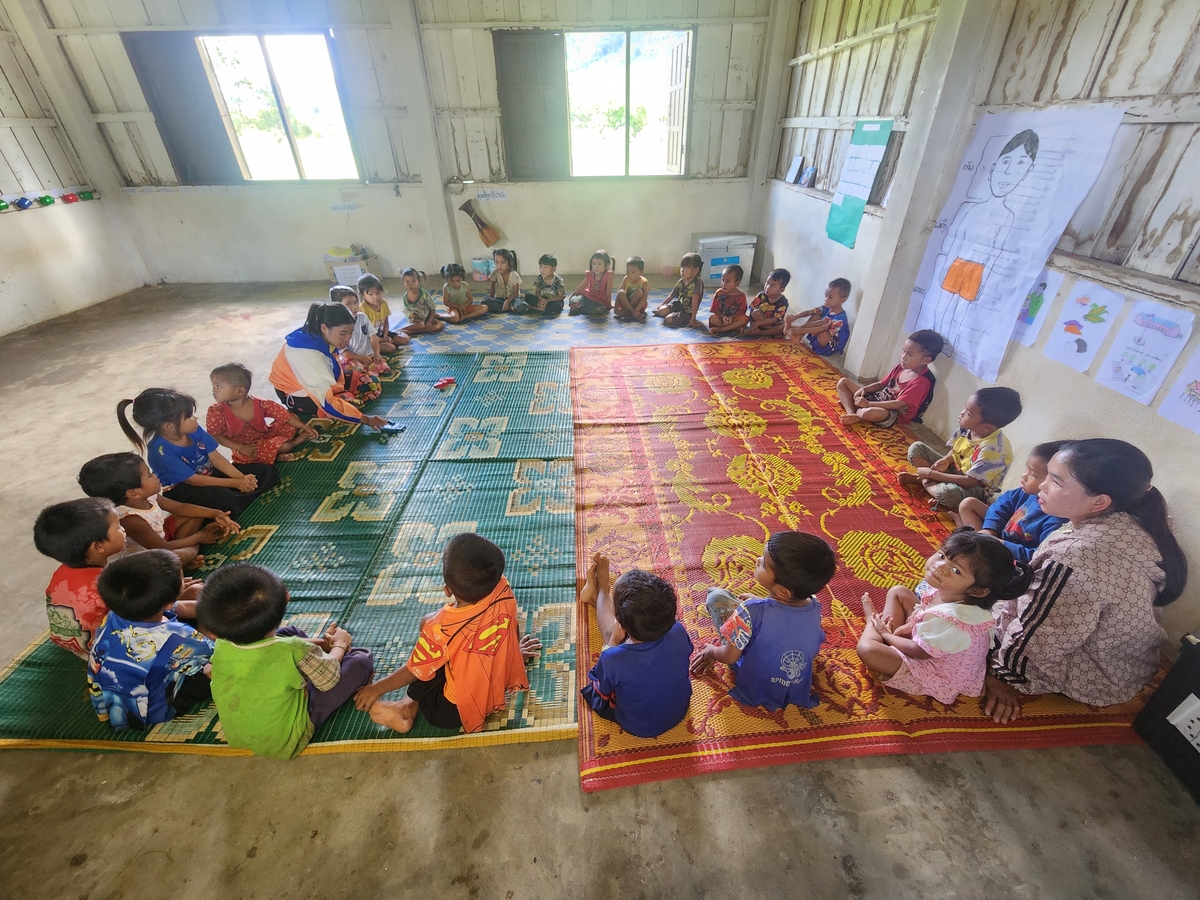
601, 254
153, 408
991, 563
452, 269
1123, 472
329, 315
409, 270
508, 255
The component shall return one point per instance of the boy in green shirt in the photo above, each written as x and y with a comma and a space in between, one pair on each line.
273, 687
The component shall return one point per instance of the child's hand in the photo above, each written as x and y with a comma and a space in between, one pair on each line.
882, 625
311, 433
247, 484
368, 696
246, 450
941, 465
374, 421
702, 664
903, 630
860, 393
923, 472
530, 646
228, 526
338, 637
861, 402
184, 609
191, 589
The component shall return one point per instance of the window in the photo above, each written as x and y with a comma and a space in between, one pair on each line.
279, 101
620, 109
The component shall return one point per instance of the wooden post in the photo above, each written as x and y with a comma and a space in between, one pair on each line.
75, 116
955, 76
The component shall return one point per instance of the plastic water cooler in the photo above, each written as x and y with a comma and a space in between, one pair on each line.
721, 249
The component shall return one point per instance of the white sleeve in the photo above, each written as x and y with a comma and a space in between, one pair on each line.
939, 636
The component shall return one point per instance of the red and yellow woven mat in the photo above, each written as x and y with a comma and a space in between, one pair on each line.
688, 457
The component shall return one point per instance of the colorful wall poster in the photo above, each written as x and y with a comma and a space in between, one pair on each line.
1019, 182
1146, 348
1033, 313
858, 175
1085, 320
1182, 405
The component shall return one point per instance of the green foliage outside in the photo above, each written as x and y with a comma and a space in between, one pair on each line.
612, 118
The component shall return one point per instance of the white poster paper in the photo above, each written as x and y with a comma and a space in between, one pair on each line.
1085, 320
1033, 312
1182, 405
1020, 180
1145, 349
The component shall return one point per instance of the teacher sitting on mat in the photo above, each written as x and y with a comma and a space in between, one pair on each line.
307, 373
1087, 627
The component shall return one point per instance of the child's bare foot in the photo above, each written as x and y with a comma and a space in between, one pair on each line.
850, 419
909, 479
285, 457
396, 715
868, 607
596, 576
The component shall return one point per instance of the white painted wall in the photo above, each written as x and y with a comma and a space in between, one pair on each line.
795, 240
277, 232
652, 218
60, 259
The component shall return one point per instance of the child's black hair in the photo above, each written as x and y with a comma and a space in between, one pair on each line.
783, 276
66, 531
1027, 139
998, 405
1045, 452
237, 374
601, 254
509, 255
451, 269
737, 271
139, 586
338, 291
801, 562
242, 603
368, 282
409, 270
155, 407
992, 565
842, 286
112, 476
691, 261
329, 315
548, 259
929, 341
644, 605
471, 566
636, 261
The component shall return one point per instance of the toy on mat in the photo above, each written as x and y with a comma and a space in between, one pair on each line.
443, 382
393, 428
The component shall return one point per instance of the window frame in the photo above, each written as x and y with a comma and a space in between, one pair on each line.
261, 34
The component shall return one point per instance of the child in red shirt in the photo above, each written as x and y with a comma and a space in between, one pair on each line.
239, 421
900, 397
729, 303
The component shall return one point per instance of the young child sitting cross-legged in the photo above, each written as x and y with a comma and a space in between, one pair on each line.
903, 393
826, 328
769, 309
273, 687
363, 350
934, 640
81, 535
772, 641
457, 297
238, 421
681, 309
468, 655
549, 290
418, 306
729, 303
145, 665
375, 305
630, 304
979, 454
641, 679
152, 522
1017, 518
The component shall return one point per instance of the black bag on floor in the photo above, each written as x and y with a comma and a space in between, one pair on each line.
1170, 720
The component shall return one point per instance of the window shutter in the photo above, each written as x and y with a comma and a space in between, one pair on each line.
531, 73
679, 65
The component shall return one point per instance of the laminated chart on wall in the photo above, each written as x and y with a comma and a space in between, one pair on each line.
1084, 321
1033, 312
1182, 404
1018, 184
1145, 350
858, 175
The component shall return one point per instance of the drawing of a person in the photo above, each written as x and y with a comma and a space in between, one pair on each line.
1032, 305
977, 237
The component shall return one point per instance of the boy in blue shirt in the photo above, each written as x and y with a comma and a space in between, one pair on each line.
1016, 517
146, 666
826, 328
641, 679
771, 641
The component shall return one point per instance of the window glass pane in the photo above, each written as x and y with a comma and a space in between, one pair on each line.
305, 77
596, 97
241, 73
658, 63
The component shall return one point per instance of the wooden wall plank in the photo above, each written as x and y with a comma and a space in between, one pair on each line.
1081, 232
1151, 39
1171, 229
22, 172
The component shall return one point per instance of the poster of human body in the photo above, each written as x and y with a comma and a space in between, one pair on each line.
1145, 349
1020, 180
1083, 322
1032, 314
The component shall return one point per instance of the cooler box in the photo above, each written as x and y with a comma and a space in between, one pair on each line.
723, 249
1170, 720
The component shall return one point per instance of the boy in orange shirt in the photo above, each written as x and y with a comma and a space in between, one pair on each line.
469, 654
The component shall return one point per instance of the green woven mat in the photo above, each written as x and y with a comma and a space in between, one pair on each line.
355, 528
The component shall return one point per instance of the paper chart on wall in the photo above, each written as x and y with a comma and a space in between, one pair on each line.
1019, 182
1086, 318
1033, 312
1145, 349
856, 179
1182, 405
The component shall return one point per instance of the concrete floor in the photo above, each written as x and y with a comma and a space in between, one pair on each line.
504, 822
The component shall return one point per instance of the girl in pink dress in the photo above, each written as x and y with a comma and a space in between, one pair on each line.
934, 640
593, 297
